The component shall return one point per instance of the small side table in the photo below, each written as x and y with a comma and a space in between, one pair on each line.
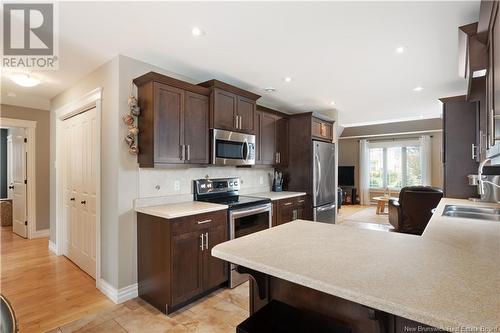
381, 201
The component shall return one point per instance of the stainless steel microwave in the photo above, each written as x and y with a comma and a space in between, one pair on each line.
232, 148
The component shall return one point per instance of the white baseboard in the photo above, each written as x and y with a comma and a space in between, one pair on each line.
118, 295
53, 247
41, 233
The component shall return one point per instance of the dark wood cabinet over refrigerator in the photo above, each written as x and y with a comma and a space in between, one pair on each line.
174, 262
303, 129
173, 125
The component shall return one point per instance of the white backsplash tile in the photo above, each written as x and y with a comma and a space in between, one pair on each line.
159, 184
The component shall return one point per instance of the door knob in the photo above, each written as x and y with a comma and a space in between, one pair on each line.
72, 199
11, 187
83, 202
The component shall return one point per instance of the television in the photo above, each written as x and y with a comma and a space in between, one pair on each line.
346, 176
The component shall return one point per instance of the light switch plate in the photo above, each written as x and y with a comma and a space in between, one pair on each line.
177, 185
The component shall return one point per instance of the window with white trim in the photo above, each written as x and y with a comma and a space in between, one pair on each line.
395, 164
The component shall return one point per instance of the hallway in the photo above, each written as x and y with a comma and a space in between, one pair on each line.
46, 291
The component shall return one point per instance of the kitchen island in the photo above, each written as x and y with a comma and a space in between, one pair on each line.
376, 281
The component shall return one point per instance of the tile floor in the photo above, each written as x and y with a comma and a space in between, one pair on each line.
219, 312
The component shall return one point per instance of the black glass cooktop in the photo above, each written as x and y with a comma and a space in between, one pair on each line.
237, 201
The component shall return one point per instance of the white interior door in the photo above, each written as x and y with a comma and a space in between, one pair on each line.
10, 190
80, 190
17, 186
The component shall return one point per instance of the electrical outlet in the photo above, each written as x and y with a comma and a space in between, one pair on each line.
177, 186
261, 180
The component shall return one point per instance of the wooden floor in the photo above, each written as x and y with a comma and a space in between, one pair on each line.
45, 290
363, 217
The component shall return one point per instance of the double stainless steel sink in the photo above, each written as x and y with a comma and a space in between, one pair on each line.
479, 213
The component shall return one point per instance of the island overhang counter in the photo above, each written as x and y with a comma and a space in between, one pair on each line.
448, 278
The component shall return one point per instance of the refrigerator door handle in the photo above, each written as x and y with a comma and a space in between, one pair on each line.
318, 180
327, 207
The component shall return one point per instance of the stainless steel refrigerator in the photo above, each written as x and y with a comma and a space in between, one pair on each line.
324, 190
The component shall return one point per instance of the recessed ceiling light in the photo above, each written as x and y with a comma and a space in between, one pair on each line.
419, 88
287, 79
197, 32
270, 89
11, 94
332, 103
400, 49
24, 80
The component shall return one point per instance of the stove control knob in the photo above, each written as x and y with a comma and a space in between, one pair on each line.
230, 183
235, 183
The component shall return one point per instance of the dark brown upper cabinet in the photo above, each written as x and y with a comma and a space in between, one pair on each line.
231, 108
173, 125
272, 137
322, 129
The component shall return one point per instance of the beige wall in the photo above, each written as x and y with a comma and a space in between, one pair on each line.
42, 118
105, 77
349, 148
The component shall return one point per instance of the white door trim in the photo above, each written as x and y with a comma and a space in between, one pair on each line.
88, 101
30, 127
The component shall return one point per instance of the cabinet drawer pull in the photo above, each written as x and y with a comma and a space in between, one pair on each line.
202, 245
287, 203
204, 221
301, 201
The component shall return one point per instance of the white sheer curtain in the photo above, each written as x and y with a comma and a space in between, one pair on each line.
426, 159
364, 172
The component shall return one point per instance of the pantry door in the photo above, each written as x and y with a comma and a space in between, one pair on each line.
17, 186
80, 190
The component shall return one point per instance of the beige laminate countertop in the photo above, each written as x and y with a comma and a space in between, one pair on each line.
278, 195
447, 278
174, 210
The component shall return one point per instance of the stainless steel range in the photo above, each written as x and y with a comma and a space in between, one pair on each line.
246, 214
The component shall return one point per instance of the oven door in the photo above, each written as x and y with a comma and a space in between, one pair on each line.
244, 222
232, 148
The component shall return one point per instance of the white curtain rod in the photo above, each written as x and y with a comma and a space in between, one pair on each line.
388, 134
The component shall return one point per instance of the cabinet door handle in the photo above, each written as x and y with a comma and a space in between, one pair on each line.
287, 204
202, 246
279, 157
235, 122
204, 221
181, 153
492, 128
473, 151
188, 148
206, 241
276, 158
239, 126
83, 202
294, 214
72, 199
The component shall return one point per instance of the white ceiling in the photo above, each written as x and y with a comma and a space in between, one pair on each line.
334, 51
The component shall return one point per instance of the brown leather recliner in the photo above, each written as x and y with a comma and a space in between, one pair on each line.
413, 211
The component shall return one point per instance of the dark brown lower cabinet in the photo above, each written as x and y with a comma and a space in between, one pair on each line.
287, 210
174, 262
